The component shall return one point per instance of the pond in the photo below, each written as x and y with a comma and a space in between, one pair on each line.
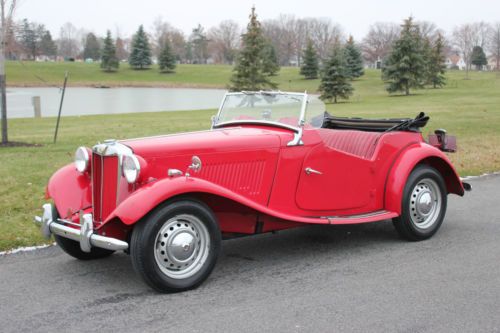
86, 101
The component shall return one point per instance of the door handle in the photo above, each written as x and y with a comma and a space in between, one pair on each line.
311, 170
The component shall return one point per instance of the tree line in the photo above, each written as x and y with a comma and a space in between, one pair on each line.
288, 35
413, 62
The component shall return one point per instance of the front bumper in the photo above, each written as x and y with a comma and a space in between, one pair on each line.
85, 235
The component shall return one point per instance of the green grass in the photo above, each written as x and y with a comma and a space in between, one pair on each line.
469, 109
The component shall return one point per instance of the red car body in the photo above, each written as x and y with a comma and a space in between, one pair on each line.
251, 178
254, 182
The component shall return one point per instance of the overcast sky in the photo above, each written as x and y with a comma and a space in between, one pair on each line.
355, 16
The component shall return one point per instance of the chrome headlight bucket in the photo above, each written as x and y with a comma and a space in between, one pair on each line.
131, 168
82, 159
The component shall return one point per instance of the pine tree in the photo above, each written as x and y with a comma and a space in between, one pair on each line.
334, 80
478, 58
109, 61
91, 49
28, 39
140, 57
405, 66
270, 60
354, 60
167, 60
249, 69
436, 63
310, 62
47, 45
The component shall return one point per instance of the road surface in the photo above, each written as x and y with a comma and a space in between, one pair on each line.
315, 279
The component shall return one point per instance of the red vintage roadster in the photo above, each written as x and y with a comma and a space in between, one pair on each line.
271, 161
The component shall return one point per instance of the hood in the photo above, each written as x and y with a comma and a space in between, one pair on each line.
211, 141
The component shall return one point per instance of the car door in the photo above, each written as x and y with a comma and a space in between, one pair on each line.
338, 174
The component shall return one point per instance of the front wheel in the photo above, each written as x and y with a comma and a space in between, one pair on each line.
423, 205
177, 246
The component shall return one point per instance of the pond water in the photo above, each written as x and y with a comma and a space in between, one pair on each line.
85, 101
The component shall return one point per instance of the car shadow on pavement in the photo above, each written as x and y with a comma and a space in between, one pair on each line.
249, 258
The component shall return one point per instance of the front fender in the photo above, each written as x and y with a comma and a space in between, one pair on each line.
150, 196
70, 190
407, 160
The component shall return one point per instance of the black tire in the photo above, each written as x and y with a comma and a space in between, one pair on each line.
425, 184
154, 251
72, 248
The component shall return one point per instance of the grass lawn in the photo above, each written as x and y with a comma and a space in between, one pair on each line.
469, 109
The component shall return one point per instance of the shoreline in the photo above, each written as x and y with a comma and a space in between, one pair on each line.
107, 85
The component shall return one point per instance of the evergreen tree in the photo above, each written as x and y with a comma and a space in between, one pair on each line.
109, 61
91, 49
199, 45
167, 59
310, 62
354, 60
335, 80
436, 63
405, 66
270, 60
478, 58
28, 39
249, 69
47, 45
140, 56
427, 55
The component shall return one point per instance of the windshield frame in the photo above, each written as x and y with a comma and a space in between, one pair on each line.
297, 129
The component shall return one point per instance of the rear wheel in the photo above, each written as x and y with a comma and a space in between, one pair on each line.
423, 205
177, 246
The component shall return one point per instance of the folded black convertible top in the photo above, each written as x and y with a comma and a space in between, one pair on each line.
376, 125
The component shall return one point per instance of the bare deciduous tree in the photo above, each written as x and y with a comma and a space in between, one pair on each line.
280, 33
468, 35
481, 32
494, 44
69, 42
325, 34
224, 41
7, 9
378, 42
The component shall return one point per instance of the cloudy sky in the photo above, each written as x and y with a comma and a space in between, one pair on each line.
355, 16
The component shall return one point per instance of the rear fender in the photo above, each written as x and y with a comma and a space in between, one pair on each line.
407, 160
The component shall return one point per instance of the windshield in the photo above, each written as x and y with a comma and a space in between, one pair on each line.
279, 108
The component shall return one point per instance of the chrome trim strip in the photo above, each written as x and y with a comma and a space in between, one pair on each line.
348, 217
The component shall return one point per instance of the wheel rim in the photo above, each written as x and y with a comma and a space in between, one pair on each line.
182, 246
425, 204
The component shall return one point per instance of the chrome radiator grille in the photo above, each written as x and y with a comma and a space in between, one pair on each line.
105, 178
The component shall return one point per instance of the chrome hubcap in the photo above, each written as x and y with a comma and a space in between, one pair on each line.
425, 203
181, 246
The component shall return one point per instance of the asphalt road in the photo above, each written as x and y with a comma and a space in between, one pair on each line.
315, 279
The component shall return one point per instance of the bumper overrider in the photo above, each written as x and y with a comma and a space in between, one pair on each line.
84, 235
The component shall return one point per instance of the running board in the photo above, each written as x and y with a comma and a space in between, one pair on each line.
362, 218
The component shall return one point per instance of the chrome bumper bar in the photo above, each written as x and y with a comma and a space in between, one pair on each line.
85, 235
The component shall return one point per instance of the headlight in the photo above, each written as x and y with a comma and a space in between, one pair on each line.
82, 159
131, 168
